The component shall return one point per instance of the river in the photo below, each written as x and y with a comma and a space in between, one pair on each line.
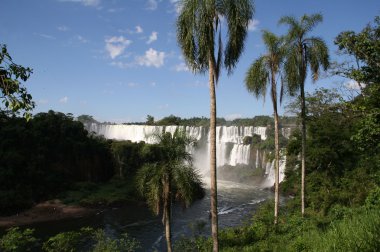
236, 202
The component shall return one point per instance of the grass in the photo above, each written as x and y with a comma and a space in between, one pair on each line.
344, 229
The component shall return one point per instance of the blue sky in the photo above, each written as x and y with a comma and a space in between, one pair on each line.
119, 61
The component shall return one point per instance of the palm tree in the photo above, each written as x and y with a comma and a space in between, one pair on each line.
172, 178
264, 71
200, 39
303, 53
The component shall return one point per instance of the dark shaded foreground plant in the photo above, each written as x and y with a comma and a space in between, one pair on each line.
86, 239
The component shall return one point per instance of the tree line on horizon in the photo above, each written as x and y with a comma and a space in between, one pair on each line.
256, 121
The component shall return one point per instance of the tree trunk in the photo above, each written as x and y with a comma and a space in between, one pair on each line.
303, 150
120, 163
213, 189
277, 150
166, 213
303, 53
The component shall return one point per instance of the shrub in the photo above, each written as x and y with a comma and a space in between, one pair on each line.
17, 240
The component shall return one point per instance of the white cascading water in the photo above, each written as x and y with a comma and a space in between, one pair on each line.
230, 147
270, 171
229, 143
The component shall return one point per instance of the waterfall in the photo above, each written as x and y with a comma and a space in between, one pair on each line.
257, 159
230, 148
239, 154
229, 139
271, 169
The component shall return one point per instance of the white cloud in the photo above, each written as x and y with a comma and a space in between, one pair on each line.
182, 67
92, 3
139, 29
151, 58
116, 45
231, 117
153, 37
354, 85
64, 99
63, 28
253, 24
152, 5
153, 84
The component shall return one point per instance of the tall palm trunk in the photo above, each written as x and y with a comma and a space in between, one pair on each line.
213, 196
303, 125
166, 212
277, 149
303, 150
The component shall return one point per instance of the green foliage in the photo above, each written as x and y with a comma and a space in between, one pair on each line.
338, 172
85, 239
14, 95
373, 199
345, 229
248, 140
263, 71
170, 120
255, 121
40, 159
149, 120
199, 33
129, 156
364, 47
359, 232
268, 143
115, 192
68, 241
194, 244
367, 109
86, 119
107, 244
175, 163
17, 240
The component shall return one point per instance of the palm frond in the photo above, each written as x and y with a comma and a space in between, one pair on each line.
295, 29
318, 56
188, 36
198, 25
257, 77
303, 52
149, 185
309, 22
187, 182
282, 89
218, 63
238, 13
292, 75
